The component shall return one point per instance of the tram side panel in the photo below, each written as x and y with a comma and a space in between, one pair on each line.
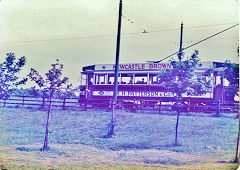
141, 93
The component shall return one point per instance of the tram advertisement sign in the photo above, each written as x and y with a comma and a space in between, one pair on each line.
145, 94
134, 93
134, 66
143, 66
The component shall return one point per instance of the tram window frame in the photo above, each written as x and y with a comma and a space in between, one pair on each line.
141, 78
111, 78
218, 80
226, 82
89, 79
152, 77
99, 79
127, 78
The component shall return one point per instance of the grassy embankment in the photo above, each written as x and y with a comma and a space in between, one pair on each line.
142, 141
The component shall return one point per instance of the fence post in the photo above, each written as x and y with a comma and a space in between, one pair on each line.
188, 107
43, 102
5, 102
160, 108
218, 107
64, 99
79, 102
23, 101
85, 104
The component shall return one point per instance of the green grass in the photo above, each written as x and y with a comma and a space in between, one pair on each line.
139, 137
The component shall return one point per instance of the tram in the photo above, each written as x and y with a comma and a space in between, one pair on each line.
140, 83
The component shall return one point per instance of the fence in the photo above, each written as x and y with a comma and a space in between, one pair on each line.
40, 101
64, 103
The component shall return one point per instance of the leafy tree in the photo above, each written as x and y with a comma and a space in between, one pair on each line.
231, 73
51, 84
8, 74
181, 80
26, 92
67, 91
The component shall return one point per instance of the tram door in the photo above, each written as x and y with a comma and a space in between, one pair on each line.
218, 93
222, 91
219, 88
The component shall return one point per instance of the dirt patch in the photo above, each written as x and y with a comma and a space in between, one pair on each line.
80, 156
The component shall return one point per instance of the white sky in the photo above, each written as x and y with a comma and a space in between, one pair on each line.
81, 33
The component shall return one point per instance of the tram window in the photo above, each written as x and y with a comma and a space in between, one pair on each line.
127, 78
111, 79
140, 78
218, 80
226, 82
90, 79
100, 79
154, 79
83, 79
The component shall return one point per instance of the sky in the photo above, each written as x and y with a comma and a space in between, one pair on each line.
81, 33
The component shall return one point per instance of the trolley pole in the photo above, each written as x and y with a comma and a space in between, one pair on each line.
180, 49
115, 92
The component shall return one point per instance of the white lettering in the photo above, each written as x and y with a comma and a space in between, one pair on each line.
133, 93
137, 66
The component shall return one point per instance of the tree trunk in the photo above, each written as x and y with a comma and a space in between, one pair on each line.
45, 145
111, 125
236, 155
176, 133
110, 133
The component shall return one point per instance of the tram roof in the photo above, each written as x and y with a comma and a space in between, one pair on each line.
139, 67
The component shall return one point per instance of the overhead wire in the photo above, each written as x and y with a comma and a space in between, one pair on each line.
55, 39
215, 39
195, 27
129, 20
110, 35
78, 37
186, 28
197, 43
143, 29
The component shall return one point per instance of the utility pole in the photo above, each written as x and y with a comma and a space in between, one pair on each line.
115, 92
180, 49
238, 138
178, 107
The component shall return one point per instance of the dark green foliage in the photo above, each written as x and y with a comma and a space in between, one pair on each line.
8, 74
231, 73
67, 92
53, 83
181, 80
27, 92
